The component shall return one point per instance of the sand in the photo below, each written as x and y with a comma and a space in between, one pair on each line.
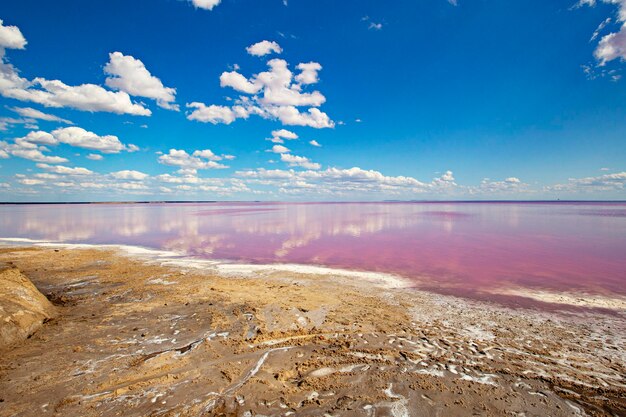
144, 337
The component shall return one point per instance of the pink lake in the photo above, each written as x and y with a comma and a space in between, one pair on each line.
468, 249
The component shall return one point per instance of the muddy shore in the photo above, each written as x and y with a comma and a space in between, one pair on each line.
138, 338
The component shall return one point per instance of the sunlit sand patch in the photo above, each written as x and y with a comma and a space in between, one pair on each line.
572, 299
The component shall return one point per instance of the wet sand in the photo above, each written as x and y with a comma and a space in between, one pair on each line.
136, 337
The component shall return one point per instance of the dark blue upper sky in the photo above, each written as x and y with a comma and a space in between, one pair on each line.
421, 99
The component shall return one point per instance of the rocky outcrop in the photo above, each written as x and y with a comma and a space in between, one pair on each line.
23, 309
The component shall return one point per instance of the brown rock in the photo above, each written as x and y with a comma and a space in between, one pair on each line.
23, 309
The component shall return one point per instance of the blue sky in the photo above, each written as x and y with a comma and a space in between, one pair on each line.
202, 99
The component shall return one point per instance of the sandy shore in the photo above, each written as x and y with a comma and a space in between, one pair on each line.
138, 337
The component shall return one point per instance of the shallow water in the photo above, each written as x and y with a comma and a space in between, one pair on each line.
460, 248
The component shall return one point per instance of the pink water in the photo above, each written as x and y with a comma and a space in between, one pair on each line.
461, 248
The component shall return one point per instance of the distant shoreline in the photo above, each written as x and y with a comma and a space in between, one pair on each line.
18, 203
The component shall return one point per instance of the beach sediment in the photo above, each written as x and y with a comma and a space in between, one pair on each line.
138, 337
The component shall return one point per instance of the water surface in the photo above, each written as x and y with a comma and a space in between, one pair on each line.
460, 248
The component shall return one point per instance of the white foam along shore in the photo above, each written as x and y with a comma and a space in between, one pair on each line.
223, 267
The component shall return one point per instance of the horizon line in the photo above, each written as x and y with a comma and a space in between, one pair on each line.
301, 202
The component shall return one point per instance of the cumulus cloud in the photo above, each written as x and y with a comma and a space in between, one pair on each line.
34, 144
28, 150
274, 94
200, 159
130, 75
63, 170
95, 157
28, 123
278, 88
284, 134
308, 73
291, 116
315, 143
511, 185
301, 161
55, 93
81, 138
264, 48
205, 4
447, 176
612, 45
129, 175
336, 181
216, 114
11, 37
238, 82
606, 182
30, 181
31, 113
279, 149
30, 147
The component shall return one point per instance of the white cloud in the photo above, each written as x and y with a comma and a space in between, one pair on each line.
301, 161
216, 114
279, 91
205, 4
29, 147
130, 75
39, 137
55, 93
264, 48
336, 181
599, 29
606, 182
208, 154
238, 82
372, 25
28, 123
81, 138
291, 116
31, 181
273, 94
32, 146
204, 159
31, 113
95, 157
309, 73
37, 156
315, 143
11, 37
129, 175
511, 185
447, 176
285, 134
63, 170
279, 149
613, 45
